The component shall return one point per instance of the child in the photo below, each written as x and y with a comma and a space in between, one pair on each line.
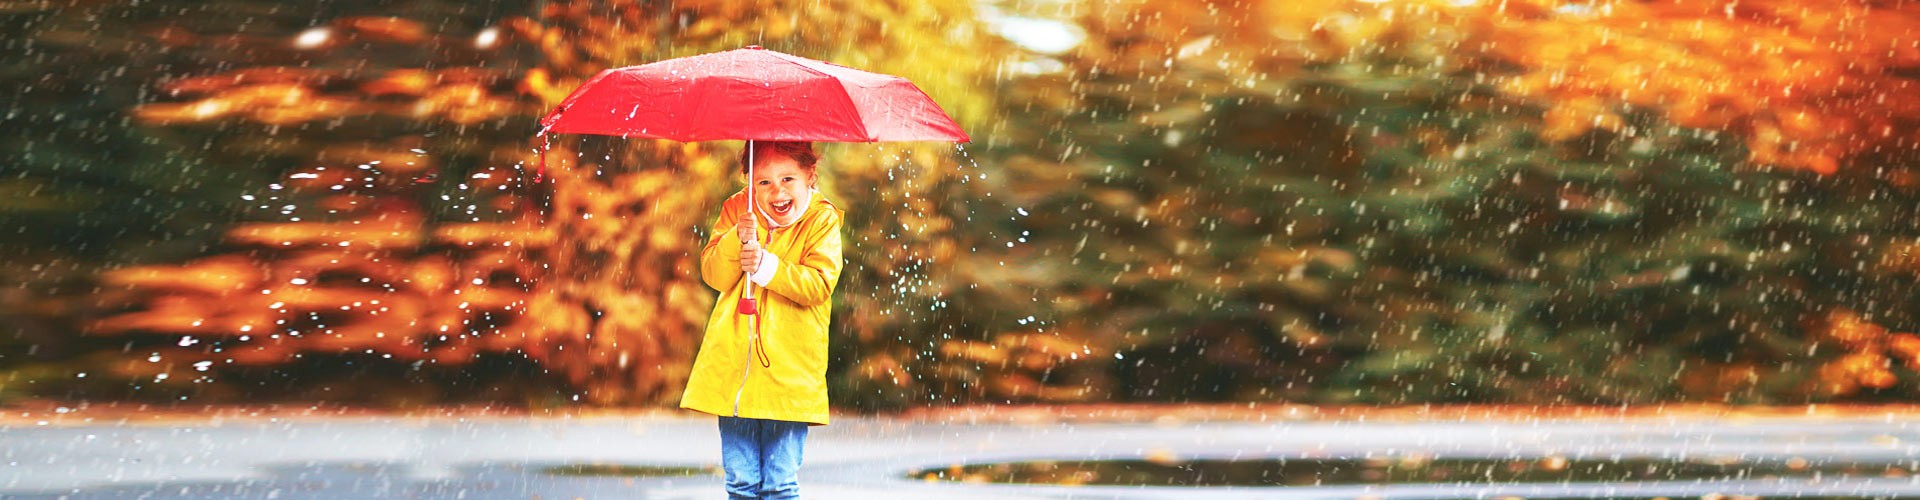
764, 374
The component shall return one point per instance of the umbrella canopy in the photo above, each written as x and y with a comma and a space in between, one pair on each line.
752, 94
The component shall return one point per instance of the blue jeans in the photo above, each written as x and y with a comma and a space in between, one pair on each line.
761, 457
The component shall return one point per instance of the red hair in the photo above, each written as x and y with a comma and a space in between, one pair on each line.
801, 152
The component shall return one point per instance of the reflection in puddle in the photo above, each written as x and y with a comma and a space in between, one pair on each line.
617, 470
1167, 471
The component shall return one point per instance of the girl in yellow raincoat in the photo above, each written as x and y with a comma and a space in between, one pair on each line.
764, 374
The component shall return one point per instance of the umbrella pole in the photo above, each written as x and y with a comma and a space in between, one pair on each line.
747, 305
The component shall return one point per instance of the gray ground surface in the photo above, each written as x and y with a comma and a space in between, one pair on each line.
502, 458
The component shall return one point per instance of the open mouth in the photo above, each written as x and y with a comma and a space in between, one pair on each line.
781, 207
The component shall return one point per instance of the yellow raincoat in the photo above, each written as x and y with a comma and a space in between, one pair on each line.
732, 376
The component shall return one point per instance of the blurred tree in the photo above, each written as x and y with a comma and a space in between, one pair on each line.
374, 240
1805, 86
355, 261
1351, 201
1311, 200
68, 206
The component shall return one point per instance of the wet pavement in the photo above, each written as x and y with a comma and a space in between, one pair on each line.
373, 457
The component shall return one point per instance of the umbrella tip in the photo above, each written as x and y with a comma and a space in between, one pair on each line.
754, 47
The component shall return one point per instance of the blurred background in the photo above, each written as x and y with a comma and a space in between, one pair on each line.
1526, 202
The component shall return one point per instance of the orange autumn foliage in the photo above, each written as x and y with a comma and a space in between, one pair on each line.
1871, 353
583, 274
386, 29
361, 282
1026, 366
1805, 86
286, 96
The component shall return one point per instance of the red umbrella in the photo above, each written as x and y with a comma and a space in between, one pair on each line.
751, 94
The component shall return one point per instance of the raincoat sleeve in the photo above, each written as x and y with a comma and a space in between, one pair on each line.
809, 280
720, 260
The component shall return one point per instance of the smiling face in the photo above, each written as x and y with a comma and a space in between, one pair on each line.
780, 185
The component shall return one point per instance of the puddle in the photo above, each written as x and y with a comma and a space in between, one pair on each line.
1404, 470
616, 470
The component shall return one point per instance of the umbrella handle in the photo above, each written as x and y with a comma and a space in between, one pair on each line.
546, 140
747, 306
546, 143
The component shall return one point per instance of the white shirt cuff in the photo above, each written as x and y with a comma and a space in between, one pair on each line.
768, 264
